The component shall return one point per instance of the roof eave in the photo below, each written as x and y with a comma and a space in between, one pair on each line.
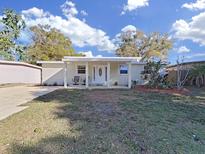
49, 62
103, 59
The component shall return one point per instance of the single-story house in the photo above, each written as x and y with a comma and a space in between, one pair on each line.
91, 72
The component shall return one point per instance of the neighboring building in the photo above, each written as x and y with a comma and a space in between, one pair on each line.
172, 71
186, 65
19, 72
105, 72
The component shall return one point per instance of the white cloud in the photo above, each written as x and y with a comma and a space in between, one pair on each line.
134, 4
80, 33
34, 12
193, 30
69, 9
198, 5
83, 20
84, 13
99, 56
197, 55
89, 54
129, 28
182, 49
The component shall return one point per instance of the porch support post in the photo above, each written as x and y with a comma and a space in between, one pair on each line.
108, 74
87, 70
65, 75
129, 75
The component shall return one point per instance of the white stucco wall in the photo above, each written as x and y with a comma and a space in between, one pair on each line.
52, 73
122, 79
17, 72
136, 73
114, 73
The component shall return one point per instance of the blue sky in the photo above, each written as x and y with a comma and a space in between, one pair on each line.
93, 25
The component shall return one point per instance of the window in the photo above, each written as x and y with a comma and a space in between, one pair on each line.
81, 69
100, 71
123, 69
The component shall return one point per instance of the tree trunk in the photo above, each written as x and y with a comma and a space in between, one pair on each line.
197, 82
204, 79
191, 82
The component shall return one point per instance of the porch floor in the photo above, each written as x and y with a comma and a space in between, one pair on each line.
96, 87
105, 87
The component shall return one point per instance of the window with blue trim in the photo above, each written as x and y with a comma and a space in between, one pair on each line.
123, 69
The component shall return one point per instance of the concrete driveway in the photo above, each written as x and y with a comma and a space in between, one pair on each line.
11, 98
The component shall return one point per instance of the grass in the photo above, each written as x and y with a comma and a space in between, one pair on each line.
107, 121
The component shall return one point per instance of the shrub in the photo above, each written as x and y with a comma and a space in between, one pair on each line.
45, 84
155, 76
55, 84
116, 83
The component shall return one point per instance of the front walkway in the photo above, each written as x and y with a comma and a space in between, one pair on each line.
11, 98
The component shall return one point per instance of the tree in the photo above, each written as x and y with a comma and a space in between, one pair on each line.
182, 73
136, 43
127, 44
155, 75
197, 73
49, 44
12, 25
156, 46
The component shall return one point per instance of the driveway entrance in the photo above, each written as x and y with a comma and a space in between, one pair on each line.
11, 98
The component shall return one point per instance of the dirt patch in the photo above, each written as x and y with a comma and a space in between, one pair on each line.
172, 91
103, 103
103, 96
110, 96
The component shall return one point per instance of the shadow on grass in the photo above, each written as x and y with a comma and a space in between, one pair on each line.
91, 125
133, 123
57, 144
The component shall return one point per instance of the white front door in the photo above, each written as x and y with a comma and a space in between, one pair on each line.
99, 74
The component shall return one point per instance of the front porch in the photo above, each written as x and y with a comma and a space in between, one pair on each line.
97, 74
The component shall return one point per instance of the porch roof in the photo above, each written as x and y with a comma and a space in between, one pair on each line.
102, 59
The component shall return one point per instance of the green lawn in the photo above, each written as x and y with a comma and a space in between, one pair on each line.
107, 121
